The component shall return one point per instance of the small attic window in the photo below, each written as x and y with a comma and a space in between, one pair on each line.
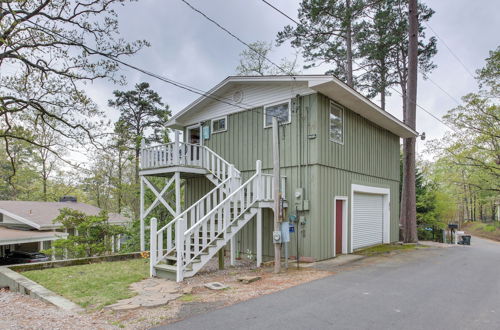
219, 125
280, 110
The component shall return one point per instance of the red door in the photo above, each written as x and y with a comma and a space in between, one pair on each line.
338, 226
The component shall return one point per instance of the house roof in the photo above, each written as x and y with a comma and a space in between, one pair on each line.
325, 84
40, 215
15, 236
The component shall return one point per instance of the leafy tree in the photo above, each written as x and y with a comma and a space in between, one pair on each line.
141, 110
471, 152
383, 48
253, 61
327, 34
94, 234
44, 64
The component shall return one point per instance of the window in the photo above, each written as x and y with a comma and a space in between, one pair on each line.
219, 125
1, 217
336, 123
280, 110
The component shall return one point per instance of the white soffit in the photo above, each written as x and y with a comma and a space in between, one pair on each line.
351, 99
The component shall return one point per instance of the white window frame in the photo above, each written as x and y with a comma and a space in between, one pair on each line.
212, 125
277, 103
341, 108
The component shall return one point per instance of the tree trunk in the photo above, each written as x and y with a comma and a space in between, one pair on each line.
120, 165
408, 201
348, 69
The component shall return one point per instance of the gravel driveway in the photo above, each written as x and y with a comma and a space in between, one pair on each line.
22, 312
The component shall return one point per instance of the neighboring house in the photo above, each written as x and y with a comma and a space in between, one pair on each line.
28, 226
339, 159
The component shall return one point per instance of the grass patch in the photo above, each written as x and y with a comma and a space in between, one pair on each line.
489, 230
188, 298
93, 285
385, 248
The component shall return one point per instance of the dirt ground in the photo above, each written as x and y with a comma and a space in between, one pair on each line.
196, 298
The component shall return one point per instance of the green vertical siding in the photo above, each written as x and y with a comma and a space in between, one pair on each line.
369, 156
367, 149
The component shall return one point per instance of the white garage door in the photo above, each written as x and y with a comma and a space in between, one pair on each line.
367, 220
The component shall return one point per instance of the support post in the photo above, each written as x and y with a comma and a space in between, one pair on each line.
259, 237
142, 231
176, 148
53, 256
259, 185
177, 193
276, 193
118, 242
232, 244
112, 243
179, 247
152, 243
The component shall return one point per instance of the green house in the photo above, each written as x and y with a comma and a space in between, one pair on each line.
339, 162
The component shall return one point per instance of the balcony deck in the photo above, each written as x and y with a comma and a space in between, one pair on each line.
190, 160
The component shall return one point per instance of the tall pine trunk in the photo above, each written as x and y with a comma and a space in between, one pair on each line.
408, 215
349, 74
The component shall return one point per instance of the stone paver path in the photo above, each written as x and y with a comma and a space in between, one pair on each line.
151, 292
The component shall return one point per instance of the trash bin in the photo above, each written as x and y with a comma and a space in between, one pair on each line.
466, 239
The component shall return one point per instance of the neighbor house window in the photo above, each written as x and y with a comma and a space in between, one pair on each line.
280, 110
219, 125
336, 123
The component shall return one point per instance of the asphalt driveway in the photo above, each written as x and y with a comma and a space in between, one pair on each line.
438, 288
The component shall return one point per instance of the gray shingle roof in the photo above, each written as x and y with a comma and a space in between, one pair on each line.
43, 213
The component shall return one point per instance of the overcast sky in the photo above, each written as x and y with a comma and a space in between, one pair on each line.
187, 48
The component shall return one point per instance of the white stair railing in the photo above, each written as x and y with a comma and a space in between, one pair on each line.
192, 214
215, 223
209, 218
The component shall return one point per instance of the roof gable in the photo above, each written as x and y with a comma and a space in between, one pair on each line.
262, 90
40, 215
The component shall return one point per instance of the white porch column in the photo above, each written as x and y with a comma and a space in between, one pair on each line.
112, 243
232, 244
65, 250
177, 193
40, 245
176, 148
143, 242
259, 237
119, 242
53, 257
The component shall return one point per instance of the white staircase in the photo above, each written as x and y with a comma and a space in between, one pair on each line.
183, 246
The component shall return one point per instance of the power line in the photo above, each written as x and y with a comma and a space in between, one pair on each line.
281, 12
154, 75
392, 88
451, 51
236, 37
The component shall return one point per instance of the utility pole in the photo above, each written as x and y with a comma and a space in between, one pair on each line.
408, 217
276, 193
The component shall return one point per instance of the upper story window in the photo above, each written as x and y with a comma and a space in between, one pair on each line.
336, 123
280, 110
219, 124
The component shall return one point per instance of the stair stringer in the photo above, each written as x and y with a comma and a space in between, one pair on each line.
229, 233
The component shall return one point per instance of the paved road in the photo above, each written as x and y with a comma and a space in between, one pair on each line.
452, 288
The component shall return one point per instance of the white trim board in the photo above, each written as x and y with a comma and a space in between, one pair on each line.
386, 192
20, 218
345, 210
205, 108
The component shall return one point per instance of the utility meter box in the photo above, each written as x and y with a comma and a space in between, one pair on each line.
277, 236
299, 196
